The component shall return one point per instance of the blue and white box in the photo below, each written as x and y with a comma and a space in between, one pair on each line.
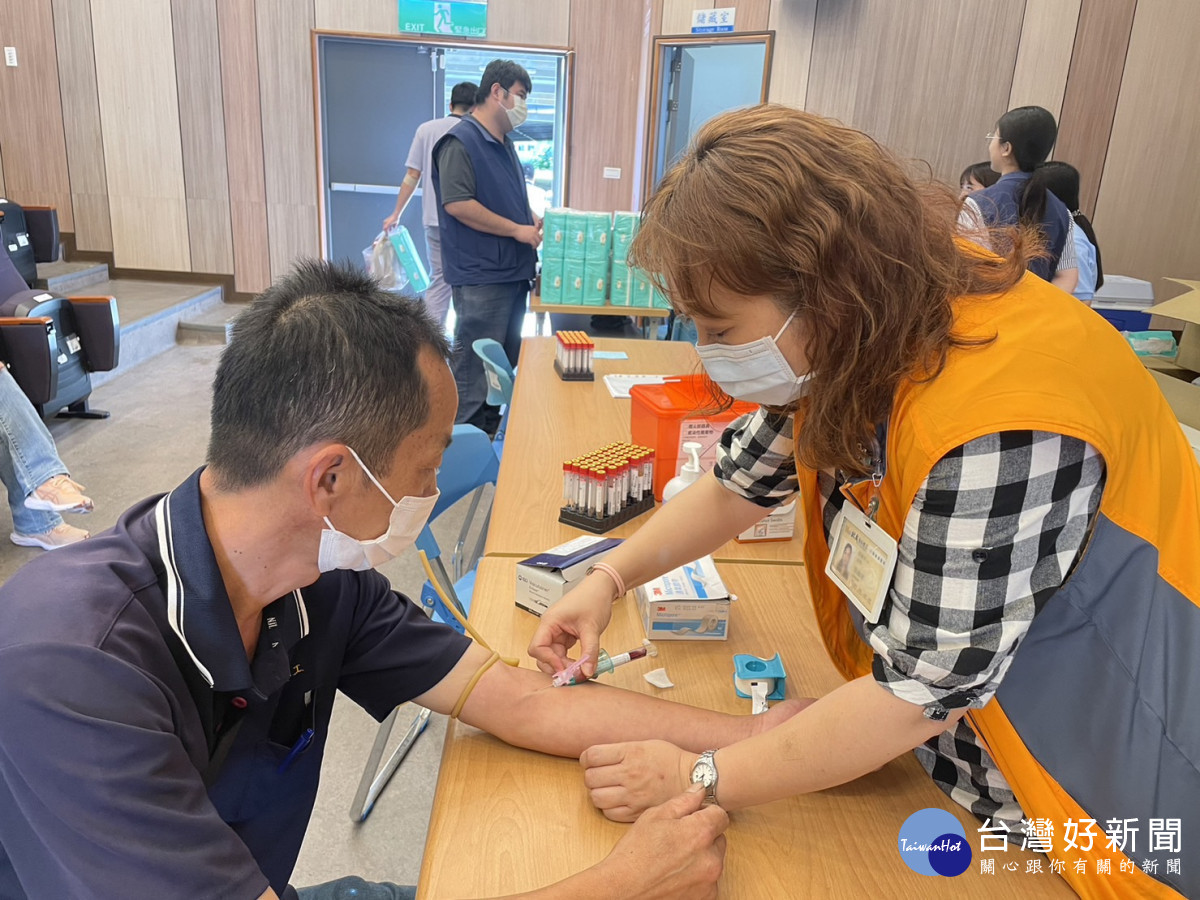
690, 603
544, 579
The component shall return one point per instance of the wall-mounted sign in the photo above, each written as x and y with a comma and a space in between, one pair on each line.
456, 18
712, 21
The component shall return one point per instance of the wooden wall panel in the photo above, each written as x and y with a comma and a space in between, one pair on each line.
139, 116
1147, 215
677, 14
904, 73
202, 127
31, 124
752, 15
2, 191
545, 23
794, 23
1044, 56
81, 121
608, 39
367, 16
288, 129
1093, 85
244, 145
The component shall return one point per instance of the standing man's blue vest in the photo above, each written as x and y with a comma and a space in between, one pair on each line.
475, 257
1001, 204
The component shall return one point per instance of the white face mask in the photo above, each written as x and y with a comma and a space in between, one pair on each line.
409, 515
518, 113
756, 372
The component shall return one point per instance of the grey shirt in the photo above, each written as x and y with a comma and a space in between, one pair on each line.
456, 174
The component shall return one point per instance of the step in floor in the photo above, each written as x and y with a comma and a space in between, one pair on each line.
66, 278
211, 327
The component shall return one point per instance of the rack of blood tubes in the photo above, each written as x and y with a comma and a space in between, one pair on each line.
573, 360
607, 487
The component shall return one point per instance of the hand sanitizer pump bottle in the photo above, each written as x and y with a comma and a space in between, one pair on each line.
689, 473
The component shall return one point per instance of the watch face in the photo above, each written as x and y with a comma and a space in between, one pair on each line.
703, 773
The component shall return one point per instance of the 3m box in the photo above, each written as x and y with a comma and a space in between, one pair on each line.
406, 251
544, 579
663, 416
690, 603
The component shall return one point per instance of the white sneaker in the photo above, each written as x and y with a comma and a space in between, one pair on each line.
56, 537
60, 494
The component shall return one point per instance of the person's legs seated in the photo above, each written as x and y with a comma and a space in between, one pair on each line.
31, 471
354, 888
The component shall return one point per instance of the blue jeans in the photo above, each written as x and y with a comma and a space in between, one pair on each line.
27, 457
495, 311
354, 888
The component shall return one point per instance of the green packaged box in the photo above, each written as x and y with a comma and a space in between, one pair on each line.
595, 284
573, 276
552, 280
575, 246
625, 226
599, 237
406, 252
618, 284
641, 291
658, 299
554, 233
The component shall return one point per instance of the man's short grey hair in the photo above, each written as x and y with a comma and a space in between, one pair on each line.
324, 354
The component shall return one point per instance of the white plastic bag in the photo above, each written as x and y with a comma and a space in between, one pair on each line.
383, 264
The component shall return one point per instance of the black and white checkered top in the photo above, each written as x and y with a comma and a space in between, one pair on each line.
993, 532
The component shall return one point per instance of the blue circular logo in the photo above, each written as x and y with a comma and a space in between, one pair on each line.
933, 842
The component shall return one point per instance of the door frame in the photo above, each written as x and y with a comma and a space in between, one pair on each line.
316, 34
659, 41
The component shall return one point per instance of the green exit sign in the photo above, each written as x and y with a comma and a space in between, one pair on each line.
454, 18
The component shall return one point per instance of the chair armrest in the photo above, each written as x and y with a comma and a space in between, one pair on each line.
30, 349
42, 225
99, 330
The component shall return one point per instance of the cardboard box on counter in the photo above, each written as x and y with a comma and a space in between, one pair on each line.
544, 579
690, 603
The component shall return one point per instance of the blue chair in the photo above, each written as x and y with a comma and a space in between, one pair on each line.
468, 465
500, 376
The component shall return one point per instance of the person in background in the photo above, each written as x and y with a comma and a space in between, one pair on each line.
181, 667
39, 487
976, 177
419, 165
489, 233
1017, 147
1015, 469
1062, 179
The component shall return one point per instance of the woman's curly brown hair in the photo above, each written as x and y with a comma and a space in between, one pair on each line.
777, 202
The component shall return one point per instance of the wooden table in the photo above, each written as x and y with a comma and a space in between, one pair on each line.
507, 820
552, 421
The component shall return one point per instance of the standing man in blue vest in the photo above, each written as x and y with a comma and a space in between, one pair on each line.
488, 232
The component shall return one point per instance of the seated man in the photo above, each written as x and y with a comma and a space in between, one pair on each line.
166, 686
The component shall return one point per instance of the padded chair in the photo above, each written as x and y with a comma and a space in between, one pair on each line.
468, 465
500, 377
53, 344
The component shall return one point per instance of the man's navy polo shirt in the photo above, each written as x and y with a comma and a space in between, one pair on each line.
140, 753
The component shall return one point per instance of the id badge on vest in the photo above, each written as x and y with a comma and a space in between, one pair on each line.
862, 558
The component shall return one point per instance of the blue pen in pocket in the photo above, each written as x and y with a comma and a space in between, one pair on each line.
305, 740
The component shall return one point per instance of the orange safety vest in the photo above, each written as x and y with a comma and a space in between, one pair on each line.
1098, 716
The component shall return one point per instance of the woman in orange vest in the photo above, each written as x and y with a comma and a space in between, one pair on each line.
1021, 606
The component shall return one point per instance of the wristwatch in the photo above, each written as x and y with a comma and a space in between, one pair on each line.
704, 771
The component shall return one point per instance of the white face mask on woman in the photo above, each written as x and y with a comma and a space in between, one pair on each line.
409, 515
756, 372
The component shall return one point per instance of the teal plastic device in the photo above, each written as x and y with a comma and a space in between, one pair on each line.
747, 668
